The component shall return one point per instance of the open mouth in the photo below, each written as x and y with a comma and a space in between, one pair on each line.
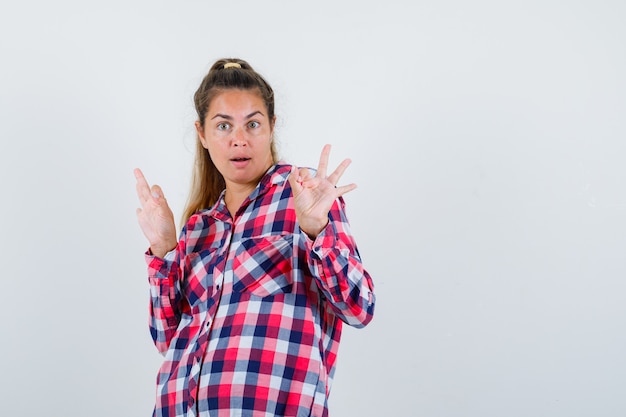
240, 159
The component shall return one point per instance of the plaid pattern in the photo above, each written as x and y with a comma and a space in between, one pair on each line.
248, 313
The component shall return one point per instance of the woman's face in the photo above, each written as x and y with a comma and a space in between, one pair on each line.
237, 133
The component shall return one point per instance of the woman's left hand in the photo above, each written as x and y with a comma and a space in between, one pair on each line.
314, 196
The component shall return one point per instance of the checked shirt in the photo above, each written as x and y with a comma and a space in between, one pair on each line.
248, 310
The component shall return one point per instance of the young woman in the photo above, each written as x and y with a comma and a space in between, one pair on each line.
247, 304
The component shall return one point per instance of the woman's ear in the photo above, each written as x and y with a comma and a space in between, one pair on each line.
200, 133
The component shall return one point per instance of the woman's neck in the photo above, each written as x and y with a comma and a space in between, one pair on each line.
234, 198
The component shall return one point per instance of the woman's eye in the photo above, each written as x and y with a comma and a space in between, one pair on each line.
223, 126
254, 125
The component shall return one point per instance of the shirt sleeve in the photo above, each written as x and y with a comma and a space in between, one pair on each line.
336, 265
165, 297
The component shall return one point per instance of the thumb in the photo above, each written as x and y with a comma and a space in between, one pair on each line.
294, 178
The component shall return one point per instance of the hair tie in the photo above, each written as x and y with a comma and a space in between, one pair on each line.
232, 65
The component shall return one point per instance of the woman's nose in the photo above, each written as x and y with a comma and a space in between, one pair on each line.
239, 138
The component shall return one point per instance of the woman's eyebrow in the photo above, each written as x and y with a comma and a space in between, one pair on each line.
223, 116
254, 113
227, 117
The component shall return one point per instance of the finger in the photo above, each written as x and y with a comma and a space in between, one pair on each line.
295, 180
339, 191
143, 189
307, 180
156, 192
138, 173
336, 175
323, 165
304, 174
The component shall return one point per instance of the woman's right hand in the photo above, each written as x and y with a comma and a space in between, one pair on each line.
155, 217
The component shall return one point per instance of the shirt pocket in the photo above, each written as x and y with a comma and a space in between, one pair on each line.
263, 265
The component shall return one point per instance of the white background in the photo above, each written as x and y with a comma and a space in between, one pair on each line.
488, 142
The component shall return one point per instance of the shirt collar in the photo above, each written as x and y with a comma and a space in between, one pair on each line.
277, 174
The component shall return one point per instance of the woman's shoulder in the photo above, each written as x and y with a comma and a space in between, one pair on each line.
283, 167
198, 220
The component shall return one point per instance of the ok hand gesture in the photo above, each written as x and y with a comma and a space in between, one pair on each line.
314, 196
155, 217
